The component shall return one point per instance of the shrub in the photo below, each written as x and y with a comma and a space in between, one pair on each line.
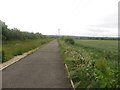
3, 56
70, 41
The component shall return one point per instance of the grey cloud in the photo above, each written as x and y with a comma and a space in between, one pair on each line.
110, 21
98, 30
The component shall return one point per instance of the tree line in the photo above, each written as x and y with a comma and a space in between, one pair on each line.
7, 34
95, 38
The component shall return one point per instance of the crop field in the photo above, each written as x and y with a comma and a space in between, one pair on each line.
92, 63
108, 45
14, 48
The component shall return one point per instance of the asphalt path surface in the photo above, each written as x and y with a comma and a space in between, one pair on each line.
42, 69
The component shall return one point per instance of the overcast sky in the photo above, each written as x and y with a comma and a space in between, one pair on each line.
73, 17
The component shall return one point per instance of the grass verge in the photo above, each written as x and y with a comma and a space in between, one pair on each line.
14, 48
90, 66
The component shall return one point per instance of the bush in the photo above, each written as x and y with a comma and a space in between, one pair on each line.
70, 41
3, 56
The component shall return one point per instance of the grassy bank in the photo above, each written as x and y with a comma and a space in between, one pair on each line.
18, 47
92, 63
0, 52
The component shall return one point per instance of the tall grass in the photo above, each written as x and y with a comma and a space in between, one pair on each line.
0, 52
14, 48
89, 64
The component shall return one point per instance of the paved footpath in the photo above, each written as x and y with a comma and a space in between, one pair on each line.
42, 69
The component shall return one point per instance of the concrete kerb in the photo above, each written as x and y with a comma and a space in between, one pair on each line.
73, 86
15, 59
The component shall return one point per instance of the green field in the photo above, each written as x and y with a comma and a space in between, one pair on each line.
108, 45
18, 47
92, 63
